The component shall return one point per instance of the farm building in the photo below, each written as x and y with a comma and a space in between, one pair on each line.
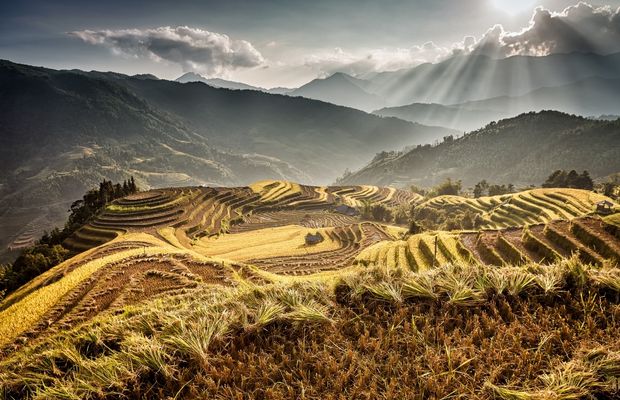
347, 210
604, 207
312, 239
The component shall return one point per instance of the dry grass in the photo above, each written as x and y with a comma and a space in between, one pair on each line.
454, 332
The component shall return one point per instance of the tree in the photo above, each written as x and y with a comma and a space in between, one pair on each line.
448, 187
419, 190
563, 179
414, 228
556, 178
584, 181
366, 209
401, 215
132, 186
481, 188
380, 212
467, 222
609, 189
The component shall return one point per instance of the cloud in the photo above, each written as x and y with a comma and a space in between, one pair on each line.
579, 28
374, 60
198, 50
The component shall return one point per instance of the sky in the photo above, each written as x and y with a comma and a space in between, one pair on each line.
287, 43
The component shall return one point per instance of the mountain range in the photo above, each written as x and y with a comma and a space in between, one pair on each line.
226, 84
591, 97
467, 92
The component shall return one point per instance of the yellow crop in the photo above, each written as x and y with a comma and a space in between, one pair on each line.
263, 243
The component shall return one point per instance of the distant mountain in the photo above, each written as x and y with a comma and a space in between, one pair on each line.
522, 150
278, 90
215, 82
341, 89
590, 96
61, 132
453, 117
475, 77
222, 83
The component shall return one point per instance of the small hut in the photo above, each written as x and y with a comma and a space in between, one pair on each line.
347, 210
312, 239
605, 207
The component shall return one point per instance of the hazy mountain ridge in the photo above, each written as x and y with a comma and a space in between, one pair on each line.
464, 79
453, 117
460, 81
476, 77
590, 96
341, 89
522, 150
225, 84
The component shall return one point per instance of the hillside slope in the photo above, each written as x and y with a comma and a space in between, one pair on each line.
63, 132
318, 138
522, 150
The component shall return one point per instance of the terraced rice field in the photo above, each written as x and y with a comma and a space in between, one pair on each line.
530, 207
592, 239
174, 240
26, 237
199, 212
347, 242
177, 240
127, 270
285, 240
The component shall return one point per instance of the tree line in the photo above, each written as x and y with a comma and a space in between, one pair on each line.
49, 250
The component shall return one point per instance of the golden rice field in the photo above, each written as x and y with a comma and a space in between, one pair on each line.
178, 277
594, 241
518, 209
257, 235
262, 243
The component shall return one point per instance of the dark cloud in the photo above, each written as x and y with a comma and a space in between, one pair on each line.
580, 28
194, 49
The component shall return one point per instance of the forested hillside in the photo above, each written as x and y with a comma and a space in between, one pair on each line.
522, 151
